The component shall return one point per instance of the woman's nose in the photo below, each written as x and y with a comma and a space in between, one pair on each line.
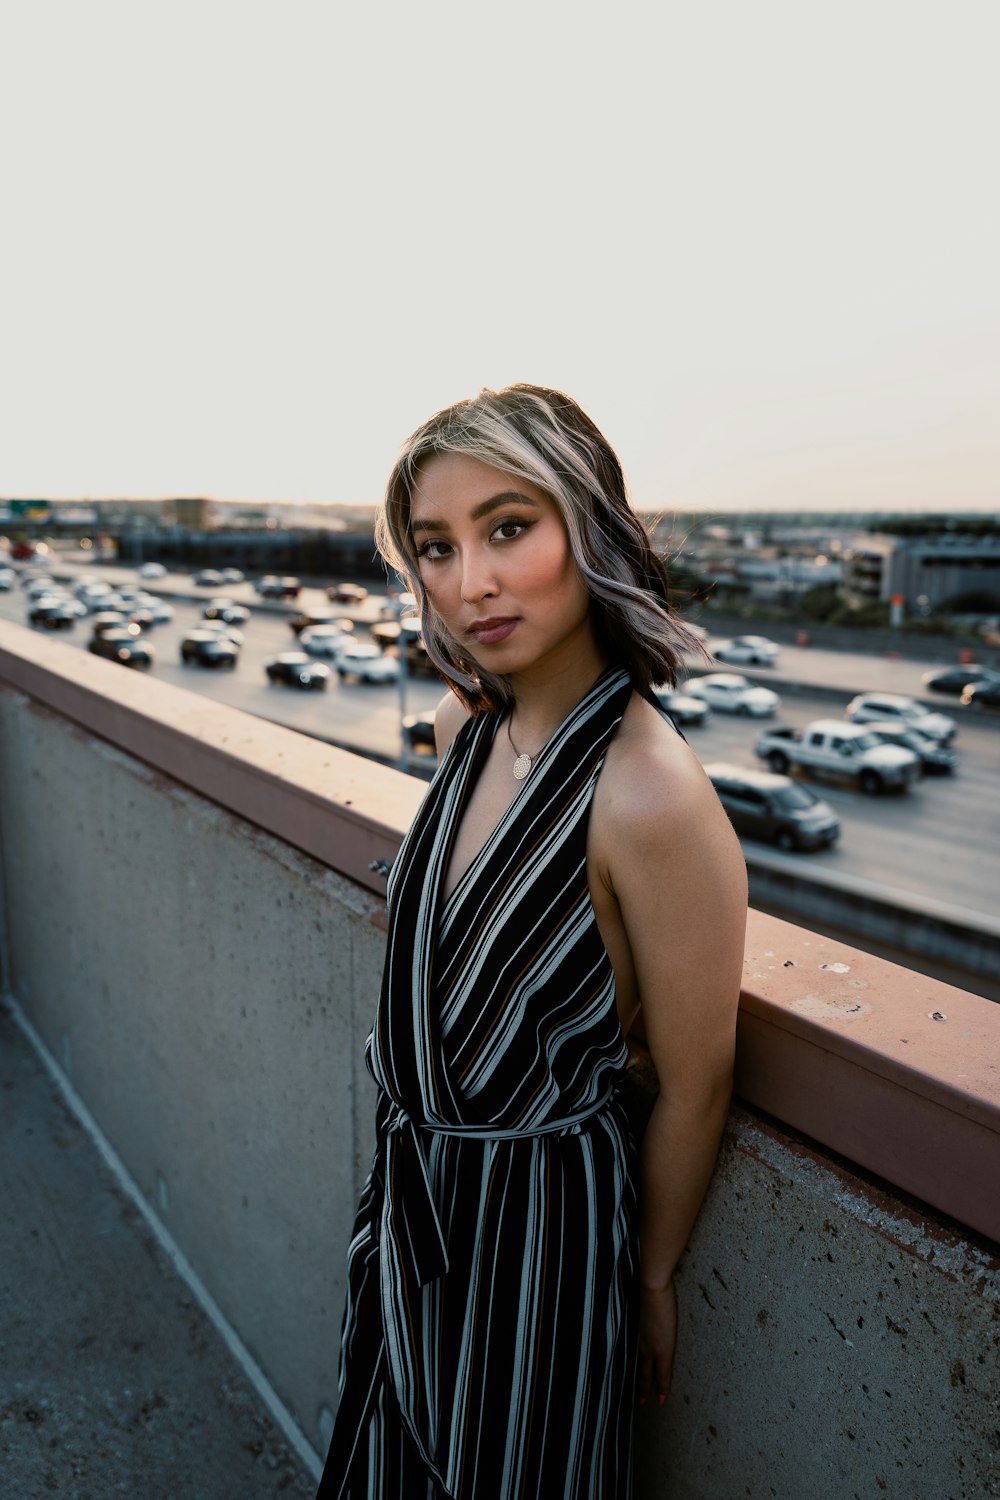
478, 581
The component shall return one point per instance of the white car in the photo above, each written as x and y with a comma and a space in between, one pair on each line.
325, 640
162, 612
895, 708
732, 694
746, 651
366, 663
152, 570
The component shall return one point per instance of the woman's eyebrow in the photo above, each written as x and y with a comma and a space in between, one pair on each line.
484, 508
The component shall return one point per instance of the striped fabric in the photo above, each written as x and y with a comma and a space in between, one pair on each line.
489, 1336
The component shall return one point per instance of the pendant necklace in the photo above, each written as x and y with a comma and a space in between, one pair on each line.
523, 763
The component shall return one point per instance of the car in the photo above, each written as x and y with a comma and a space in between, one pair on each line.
398, 604
297, 670
141, 616
306, 619
207, 578
687, 712
955, 680
208, 648
733, 694
392, 632
746, 651
418, 732
39, 585
152, 570
366, 663
93, 595
109, 619
896, 708
52, 614
223, 631
227, 610
324, 640
161, 611
935, 758
122, 643
982, 695
7, 576
273, 587
347, 593
232, 575
763, 805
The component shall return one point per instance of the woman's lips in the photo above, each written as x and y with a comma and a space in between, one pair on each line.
489, 632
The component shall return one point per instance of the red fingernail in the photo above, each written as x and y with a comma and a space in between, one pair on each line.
660, 1399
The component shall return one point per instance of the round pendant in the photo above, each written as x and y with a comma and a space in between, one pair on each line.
521, 767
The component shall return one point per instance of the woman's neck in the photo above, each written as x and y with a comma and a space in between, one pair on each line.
543, 698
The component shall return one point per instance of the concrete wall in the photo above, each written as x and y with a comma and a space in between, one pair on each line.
208, 990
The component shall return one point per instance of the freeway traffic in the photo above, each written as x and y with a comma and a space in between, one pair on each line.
939, 840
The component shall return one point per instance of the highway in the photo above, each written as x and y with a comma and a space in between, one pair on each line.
940, 840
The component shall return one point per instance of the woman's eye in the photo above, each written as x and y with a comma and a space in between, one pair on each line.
432, 551
511, 528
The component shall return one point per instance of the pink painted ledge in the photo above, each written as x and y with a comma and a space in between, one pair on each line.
896, 1072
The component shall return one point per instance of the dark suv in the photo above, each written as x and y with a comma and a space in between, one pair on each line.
763, 805
122, 643
208, 648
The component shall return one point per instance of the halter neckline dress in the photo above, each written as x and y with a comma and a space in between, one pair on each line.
489, 1339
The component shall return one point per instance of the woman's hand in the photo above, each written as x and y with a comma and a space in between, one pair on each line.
657, 1340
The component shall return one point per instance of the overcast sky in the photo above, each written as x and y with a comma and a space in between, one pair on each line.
246, 247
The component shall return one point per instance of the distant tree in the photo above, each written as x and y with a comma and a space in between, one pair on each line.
820, 602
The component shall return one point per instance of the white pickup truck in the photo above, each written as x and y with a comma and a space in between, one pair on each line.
842, 752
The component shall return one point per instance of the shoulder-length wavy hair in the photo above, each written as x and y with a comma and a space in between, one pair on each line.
544, 437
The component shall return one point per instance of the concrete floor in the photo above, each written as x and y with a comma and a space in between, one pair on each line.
112, 1379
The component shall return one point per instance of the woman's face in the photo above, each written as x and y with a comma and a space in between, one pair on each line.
496, 563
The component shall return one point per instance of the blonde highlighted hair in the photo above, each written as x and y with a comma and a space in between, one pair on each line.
544, 437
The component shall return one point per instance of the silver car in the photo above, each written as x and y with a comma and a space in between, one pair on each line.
896, 708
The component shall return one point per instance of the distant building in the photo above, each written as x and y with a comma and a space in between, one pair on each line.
931, 569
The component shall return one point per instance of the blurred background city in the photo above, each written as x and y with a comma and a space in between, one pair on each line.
245, 250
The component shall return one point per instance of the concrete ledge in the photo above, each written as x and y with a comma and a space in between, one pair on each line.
895, 1071
337, 807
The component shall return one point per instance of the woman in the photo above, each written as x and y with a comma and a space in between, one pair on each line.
569, 877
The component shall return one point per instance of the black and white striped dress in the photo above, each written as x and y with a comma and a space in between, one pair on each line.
490, 1330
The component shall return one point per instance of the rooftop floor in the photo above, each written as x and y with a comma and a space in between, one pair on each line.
112, 1379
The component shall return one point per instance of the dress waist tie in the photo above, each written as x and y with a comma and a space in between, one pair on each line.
408, 1217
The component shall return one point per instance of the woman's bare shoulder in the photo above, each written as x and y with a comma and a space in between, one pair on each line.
653, 786
449, 716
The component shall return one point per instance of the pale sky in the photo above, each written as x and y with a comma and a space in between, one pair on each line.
246, 247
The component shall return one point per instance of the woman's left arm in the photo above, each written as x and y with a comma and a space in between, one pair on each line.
680, 882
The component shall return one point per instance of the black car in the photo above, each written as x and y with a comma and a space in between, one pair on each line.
935, 759
982, 695
272, 587
109, 619
763, 805
208, 648
955, 680
307, 619
298, 670
207, 578
418, 732
226, 610
122, 643
53, 616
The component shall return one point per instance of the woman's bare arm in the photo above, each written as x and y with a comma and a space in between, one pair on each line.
678, 875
